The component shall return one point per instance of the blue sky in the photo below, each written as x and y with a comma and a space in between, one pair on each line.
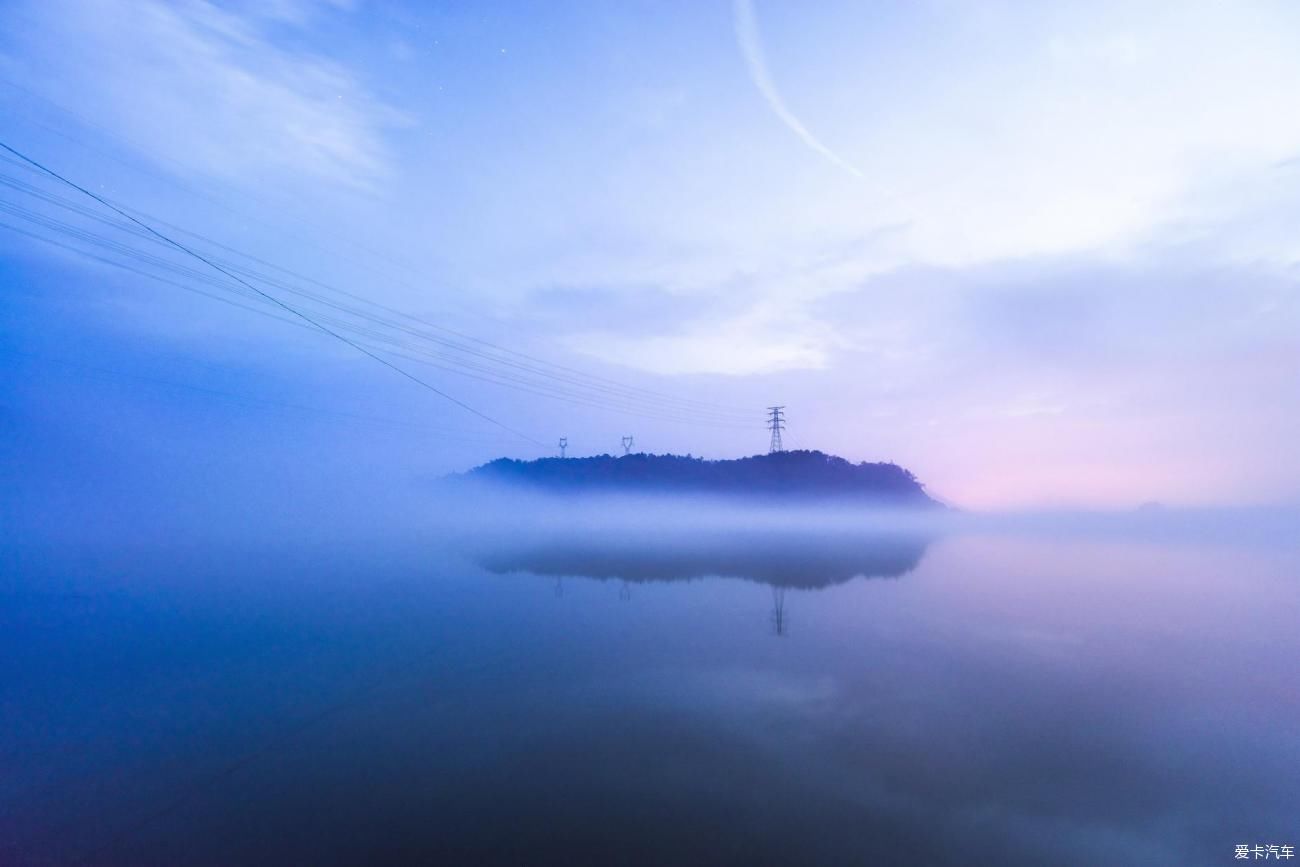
1041, 254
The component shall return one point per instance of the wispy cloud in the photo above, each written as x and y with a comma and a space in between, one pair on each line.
200, 88
751, 45
767, 337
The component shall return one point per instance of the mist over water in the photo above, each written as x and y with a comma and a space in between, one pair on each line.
655, 681
304, 304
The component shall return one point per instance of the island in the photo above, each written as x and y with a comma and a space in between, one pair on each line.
803, 476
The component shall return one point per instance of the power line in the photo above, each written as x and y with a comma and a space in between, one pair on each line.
268, 296
560, 387
518, 360
387, 344
794, 440
129, 145
104, 373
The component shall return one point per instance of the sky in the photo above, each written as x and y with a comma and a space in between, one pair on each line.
1040, 254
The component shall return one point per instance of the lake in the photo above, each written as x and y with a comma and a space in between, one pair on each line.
963, 698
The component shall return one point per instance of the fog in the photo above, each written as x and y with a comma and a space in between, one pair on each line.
271, 272
403, 677
334, 502
250, 642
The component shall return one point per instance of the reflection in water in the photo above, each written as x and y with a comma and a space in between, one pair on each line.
801, 560
783, 560
1018, 702
778, 610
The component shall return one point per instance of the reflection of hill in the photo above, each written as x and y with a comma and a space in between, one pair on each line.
781, 559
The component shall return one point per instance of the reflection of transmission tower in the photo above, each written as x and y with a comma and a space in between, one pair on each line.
564, 444
776, 424
778, 610
627, 445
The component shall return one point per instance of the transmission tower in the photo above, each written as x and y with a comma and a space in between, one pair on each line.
776, 424
627, 445
564, 444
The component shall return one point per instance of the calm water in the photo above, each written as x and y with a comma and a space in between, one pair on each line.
968, 700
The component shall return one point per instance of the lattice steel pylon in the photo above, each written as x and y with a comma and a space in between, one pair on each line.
776, 424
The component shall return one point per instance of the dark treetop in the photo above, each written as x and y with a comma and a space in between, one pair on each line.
802, 475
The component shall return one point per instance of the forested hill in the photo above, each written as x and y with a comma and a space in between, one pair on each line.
805, 475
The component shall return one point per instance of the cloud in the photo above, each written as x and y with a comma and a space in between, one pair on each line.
198, 88
765, 338
1107, 380
1068, 321
1126, 136
627, 309
297, 11
751, 45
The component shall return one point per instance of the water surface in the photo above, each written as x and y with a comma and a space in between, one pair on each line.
968, 699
